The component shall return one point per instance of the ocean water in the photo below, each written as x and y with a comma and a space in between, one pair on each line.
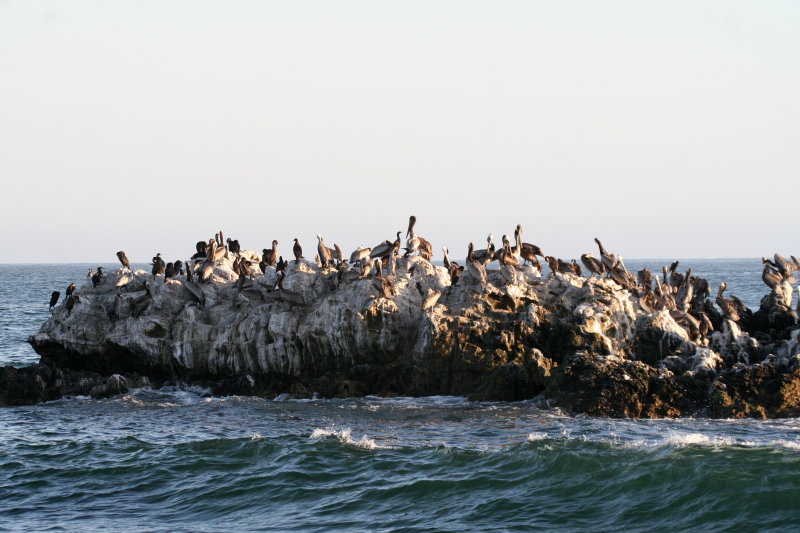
182, 460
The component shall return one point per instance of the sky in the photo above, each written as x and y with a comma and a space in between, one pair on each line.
667, 129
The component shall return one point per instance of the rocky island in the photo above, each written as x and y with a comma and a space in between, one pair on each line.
611, 344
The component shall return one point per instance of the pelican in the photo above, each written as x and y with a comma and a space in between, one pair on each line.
337, 254
298, 251
417, 243
645, 278
453, 268
123, 280
431, 299
508, 265
474, 267
124, 259
609, 260
382, 284
485, 256
526, 250
324, 252
665, 299
189, 272
685, 292
381, 250
207, 271
270, 257
675, 277
771, 276
359, 255
592, 264
726, 306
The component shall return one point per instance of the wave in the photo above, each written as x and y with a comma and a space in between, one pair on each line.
344, 436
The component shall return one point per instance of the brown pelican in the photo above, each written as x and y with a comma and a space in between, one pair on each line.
431, 299
784, 266
508, 265
382, 284
576, 268
452, 267
665, 298
685, 292
123, 280
771, 276
645, 279
337, 254
474, 267
726, 306
54, 299
207, 271
526, 250
609, 260
796, 263
298, 251
324, 252
417, 243
124, 259
592, 264
270, 257
360, 255
71, 288
485, 256
220, 239
381, 250
675, 277
140, 304
98, 277
245, 268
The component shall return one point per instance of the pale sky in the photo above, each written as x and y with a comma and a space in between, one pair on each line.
668, 129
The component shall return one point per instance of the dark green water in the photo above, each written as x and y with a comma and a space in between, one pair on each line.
179, 460
176, 460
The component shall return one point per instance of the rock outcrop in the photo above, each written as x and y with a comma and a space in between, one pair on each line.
586, 344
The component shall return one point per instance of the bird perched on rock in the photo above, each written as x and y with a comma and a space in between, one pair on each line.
54, 299
124, 259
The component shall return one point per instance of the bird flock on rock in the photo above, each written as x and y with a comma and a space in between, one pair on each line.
684, 295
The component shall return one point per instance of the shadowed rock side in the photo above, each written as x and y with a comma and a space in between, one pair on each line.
585, 344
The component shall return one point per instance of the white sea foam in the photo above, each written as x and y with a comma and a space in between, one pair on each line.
533, 437
688, 439
345, 437
256, 436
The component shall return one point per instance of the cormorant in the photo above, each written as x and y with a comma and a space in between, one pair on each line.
54, 299
298, 251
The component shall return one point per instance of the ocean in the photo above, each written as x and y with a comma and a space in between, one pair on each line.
184, 460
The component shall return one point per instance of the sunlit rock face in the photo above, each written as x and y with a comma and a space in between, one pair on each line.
584, 344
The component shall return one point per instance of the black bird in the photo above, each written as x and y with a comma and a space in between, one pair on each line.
298, 250
176, 268
71, 288
281, 265
140, 304
201, 247
98, 277
169, 271
158, 265
54, 299
70, 302
233, 245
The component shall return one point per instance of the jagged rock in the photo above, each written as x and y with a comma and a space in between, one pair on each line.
587, 344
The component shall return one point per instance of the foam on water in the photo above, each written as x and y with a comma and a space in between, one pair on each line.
345, 437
